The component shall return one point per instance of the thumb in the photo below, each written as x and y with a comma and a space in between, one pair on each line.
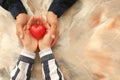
31, 22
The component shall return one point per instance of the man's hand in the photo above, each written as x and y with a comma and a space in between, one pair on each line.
53, 22
21, 22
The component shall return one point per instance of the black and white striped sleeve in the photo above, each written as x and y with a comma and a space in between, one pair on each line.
23, 67
50, 68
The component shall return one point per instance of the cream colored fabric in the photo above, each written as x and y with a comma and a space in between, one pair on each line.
88, 47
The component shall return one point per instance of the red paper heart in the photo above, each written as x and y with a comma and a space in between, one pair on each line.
37, 31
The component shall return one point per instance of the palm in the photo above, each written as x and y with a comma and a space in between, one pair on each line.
45, 41
29, 42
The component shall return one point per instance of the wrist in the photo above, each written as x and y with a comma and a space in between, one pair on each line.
29, 50
28, 54
44, 47
21, 15
52, 14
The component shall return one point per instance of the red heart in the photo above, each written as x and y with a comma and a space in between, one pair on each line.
37, 31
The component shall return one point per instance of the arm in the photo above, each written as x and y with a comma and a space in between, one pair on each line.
50, 68
60, 6
19, 12
22, 70
14, 6
56, 9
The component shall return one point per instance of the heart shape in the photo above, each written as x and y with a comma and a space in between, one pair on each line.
38, 31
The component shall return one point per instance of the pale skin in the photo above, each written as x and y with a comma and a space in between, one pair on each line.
22, 20
53, 22
30, 43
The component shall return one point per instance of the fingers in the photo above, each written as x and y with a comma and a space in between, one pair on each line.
20, 34
43, 22
55, 39
27, 34
54, 35
31, 22
36, 21
19, 31
53, 32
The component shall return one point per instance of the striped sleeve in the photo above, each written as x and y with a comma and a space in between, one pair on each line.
50, 68
23, 67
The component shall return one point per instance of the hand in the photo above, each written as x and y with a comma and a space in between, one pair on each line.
29, 42
21, 21
53, 22
48, 38
46, 41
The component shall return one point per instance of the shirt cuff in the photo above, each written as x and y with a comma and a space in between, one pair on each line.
45, 52
46, 55
28, 54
